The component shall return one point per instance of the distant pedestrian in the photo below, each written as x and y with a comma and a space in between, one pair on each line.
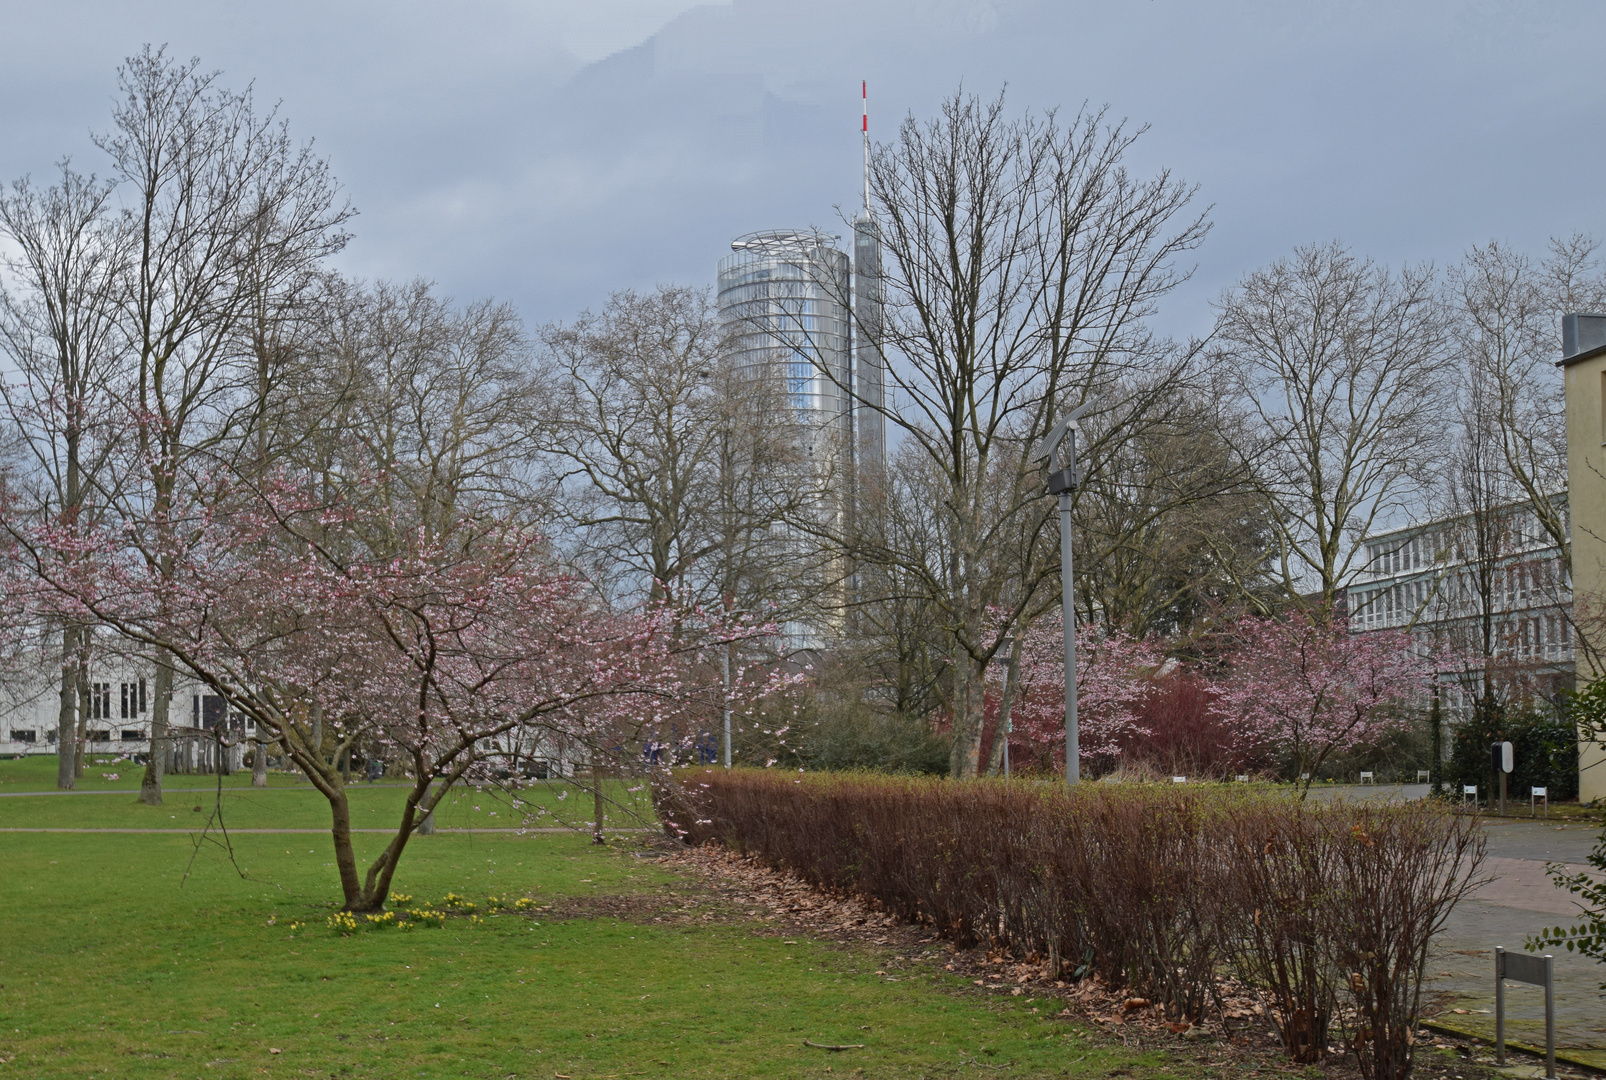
376, 769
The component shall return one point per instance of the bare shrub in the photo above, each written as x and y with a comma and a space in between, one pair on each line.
1328, 910
1396, 874
1280, 945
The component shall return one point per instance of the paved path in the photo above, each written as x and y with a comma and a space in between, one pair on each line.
1519, 901
1370, 792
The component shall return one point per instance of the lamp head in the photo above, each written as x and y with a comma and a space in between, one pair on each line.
1056, 434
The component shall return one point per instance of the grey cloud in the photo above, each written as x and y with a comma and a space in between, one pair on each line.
489, 148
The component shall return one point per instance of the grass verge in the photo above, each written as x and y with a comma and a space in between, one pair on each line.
111, 963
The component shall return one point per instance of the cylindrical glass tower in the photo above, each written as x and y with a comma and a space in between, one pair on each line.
869, 377
783, 299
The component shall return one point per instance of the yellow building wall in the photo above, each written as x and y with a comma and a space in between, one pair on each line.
1586, 497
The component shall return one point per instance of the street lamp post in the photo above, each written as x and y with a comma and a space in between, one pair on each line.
725, 696
1062, 481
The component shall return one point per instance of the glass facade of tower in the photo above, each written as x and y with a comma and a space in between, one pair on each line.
869, 375
783, 302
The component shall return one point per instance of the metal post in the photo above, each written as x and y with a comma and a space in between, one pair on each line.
1499, 1005
1062, 482
1550, 1017
1502, 794
725, 684
1073, 762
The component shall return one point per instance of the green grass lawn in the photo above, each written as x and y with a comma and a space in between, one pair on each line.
112, 964
289, 802
37, 772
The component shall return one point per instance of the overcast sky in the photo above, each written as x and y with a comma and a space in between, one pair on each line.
548, 152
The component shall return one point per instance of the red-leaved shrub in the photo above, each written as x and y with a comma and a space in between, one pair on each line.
1185, 733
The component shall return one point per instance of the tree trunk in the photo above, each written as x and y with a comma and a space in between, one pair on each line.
345, 857
67, 711
259, 763
376, 889
83, 696
969, 712
1006, 704
596, 794
150, 786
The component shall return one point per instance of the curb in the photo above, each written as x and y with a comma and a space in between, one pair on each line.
1562, 1057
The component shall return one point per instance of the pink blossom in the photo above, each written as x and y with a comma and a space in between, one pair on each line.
1305, 690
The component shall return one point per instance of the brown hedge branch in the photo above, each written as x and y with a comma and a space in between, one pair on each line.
1327, 910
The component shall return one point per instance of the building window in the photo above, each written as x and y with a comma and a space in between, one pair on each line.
100, 734
132, 735
100, 701
24, 735
133, 700
211, 711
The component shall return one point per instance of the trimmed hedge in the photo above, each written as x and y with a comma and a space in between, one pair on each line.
1327, 909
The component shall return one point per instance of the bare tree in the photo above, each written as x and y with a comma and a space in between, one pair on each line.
1498, 597
1020, 260
1506, 489
211, 186
1171, 527
1509, 310
1338, 361
439, 399
673, 464
59, 327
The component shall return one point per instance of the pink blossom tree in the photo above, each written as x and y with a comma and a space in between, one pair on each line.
458, 652
1112, 677
1305, 690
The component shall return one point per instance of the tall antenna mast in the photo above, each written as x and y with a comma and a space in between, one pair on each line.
864, 90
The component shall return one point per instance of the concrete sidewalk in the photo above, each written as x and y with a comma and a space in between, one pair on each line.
1519, 901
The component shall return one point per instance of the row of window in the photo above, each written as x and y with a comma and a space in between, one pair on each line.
29, 735
1393, 606
1547, 636
132, 701
1519, 585
1404, 555
1401, 556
